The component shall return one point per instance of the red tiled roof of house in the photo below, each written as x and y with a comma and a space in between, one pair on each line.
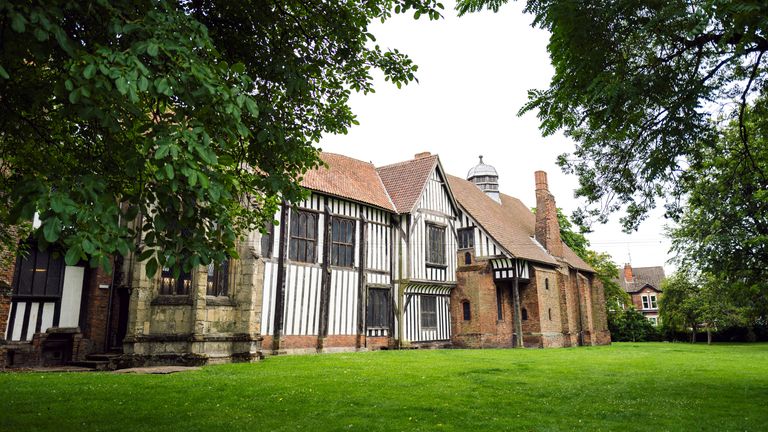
349, 178
405, 180
510, 223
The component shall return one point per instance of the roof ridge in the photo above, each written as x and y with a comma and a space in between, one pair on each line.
405, 162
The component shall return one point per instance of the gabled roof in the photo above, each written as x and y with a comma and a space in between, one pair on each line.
405, 181
349, 178
503, 222
642, 276
510, 223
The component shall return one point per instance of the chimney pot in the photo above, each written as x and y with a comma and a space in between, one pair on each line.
422, 155
628, 276
541, 180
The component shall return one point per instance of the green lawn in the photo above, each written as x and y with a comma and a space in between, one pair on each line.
624, 387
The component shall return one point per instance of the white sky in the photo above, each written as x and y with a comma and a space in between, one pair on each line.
474, 74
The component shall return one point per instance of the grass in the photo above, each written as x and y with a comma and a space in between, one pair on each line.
625, 387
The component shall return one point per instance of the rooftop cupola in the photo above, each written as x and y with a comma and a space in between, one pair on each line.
486, 178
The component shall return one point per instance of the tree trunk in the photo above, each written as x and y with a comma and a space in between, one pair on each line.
709, 336
693, 332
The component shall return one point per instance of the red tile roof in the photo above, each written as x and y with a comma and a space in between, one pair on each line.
405, 181
510, 223
349, 178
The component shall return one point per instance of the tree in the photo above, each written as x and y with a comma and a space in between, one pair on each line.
636, 84
195, 116
606, 271
723, 231
679, 307
629, 325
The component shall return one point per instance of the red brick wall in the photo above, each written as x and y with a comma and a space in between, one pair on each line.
7, 267
96, 309
475, 284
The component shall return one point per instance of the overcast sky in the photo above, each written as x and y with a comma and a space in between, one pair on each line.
474, 74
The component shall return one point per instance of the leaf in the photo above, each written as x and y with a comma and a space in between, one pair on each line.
143, 83
122, 85
89, 71
146, 254
169, 171
74, 96
73, 256
3, 73
52, 229
151, 267
250, 104
18, 22
152, 49
88, 247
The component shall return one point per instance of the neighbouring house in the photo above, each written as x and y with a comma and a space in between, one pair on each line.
403, 255
643, 284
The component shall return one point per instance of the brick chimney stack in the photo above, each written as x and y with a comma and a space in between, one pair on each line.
547, 226
422, 155
628, 276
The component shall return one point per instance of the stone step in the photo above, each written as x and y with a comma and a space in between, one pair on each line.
102, 356
97, 365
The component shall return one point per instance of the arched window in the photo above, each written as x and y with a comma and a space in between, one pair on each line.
467, 310
546, 283
525, 314
550, 314
467, 258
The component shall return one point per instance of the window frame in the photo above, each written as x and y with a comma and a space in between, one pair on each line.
371, 309
654, 301
217, 280
499, 303
337, 244
440, 252
52, 286
428, 318
464, 241
466, 310
297, 241
171, 286
646, 301
267, 240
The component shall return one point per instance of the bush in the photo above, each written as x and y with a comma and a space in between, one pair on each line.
629, 325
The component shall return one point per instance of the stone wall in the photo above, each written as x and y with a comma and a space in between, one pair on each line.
198, 328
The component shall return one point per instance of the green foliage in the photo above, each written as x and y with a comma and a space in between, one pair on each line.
693, 301
634, 85
629, 325
724, 229
193, 118
607, 272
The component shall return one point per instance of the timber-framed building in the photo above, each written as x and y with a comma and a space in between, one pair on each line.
403, 255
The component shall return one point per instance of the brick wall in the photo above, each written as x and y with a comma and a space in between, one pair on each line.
484, 330
97, 299
7, 267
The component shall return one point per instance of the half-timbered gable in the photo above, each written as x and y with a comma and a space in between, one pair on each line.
426, 234
331, 287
